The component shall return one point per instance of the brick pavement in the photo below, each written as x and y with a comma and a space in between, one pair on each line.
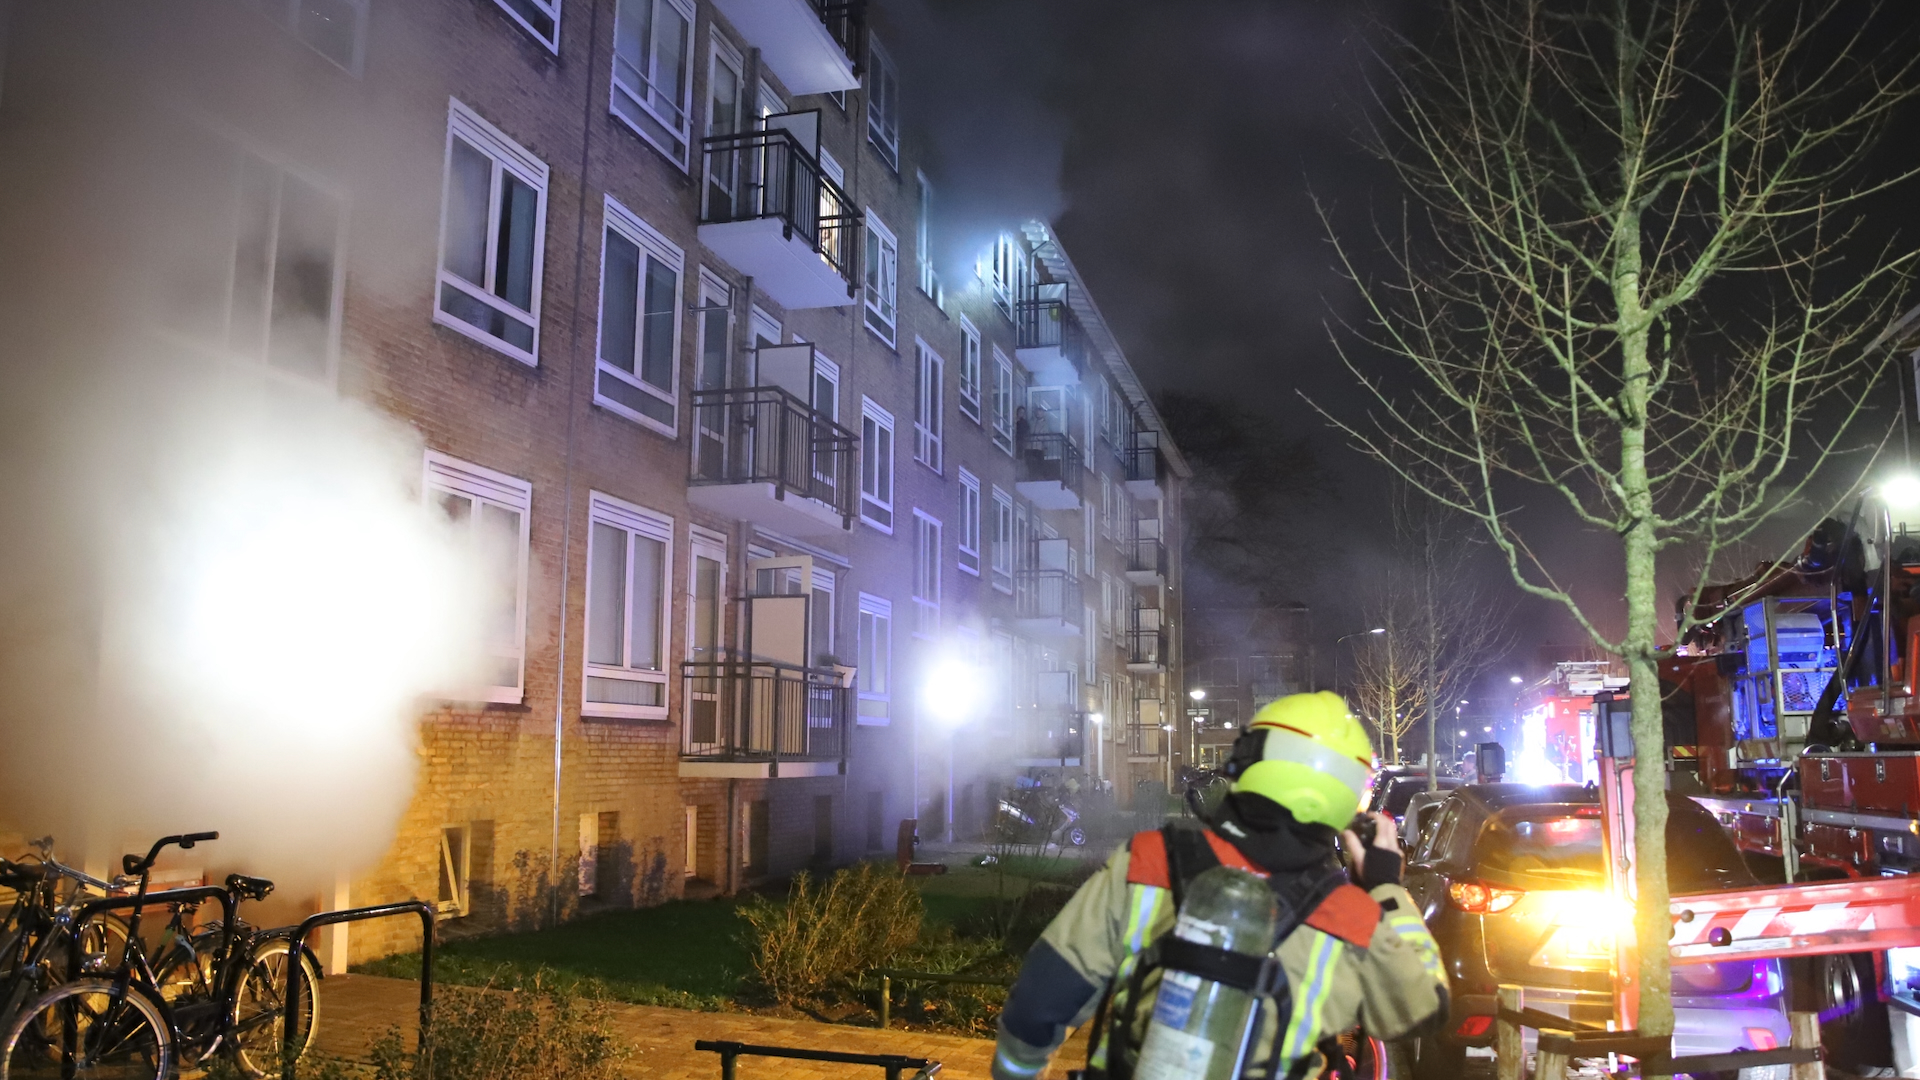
355, 1009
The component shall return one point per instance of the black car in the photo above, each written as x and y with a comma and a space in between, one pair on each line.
1511, 879
1395, 787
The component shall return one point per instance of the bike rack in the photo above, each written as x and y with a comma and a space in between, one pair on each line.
424, 1049
195, 894
895, 1064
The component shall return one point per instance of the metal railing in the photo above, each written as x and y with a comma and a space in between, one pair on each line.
1051, 738
1043, 320
1049, 456
752, 175
1146, 556
1047, 594
1144, 461
894, 1064
1147, 646
763, 434
757, 710
846, 22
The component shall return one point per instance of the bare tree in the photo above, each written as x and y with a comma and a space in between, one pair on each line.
1623, 287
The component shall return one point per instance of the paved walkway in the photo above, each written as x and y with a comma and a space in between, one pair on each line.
356, 1009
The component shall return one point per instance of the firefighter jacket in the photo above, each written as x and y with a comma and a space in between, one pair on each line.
1357, 958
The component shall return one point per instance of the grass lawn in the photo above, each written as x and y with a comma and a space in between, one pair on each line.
686, 954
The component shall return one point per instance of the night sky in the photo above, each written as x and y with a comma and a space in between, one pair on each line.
1186, 153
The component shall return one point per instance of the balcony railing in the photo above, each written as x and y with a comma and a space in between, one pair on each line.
765, 435
1049, 457
1047, 594
1144, 463
1048, 335
768, 174
1146, 558
739, 710
846, 22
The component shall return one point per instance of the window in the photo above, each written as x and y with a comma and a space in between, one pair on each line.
541, 18
883, 278
652, 86
707, 597
876, 466
1092, 647
628, 550
969, 370
883, 105
820, 617
724, 107
599, 847
456, 853
1106, 506
336, 29
968, 543
490, 511
283, 309
923, 242
929, 387
1007, 272
1002, 400
1109, 600
926, 575
492, 229
826, 387
716, 332
876, 656
1086, 520
1002, 541
639, 321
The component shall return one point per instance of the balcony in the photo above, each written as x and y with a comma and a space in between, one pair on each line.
1046, 603
814, 46
753, 719
1038, 742
761, 455
1048, 472
774, 216
1146, 466
1146, 642
1146, 561
1051, 343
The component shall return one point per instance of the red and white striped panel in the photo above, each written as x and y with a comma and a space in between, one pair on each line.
1866, 915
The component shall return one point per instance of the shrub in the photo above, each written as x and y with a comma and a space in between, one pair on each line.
510, 1035
824, 936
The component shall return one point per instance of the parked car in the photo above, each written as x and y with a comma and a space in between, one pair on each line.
1395, 786
1511, 879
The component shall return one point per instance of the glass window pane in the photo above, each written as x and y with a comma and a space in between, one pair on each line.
458, 508
302, 279
619, 289
649, 566
633, 28
820, 617
513, 278
656, 356
606, 589
499, 542
713, 349
670, 73
882, 652
706, 608
469, 183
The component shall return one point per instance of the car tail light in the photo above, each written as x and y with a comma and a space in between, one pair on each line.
1763, 1039
1476, 898
1474, 1026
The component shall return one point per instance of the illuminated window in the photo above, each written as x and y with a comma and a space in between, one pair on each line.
489, 510
652, 77
628, 553
636, 374
492, 230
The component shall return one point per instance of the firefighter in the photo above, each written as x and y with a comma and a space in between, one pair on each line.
1351, 953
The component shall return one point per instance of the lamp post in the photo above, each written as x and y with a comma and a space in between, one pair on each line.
951, 694
1336, 651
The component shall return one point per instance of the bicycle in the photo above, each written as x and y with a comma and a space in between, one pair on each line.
118, 1021
37, 937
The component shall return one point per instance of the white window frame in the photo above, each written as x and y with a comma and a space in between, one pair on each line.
467, 480
722, 53
549, 8
1093, 645
715, 295
923, 238
874, 634
653, 525
882, 277
508, 157
1004, 534
927, 543
710, 545
873, 421
456, 862
1109, 597
622, 94
969, 370
882, 83
652, 244
1004, 391
282, 173
289, 20
824, 581
929, 406
1106, 506
967, 544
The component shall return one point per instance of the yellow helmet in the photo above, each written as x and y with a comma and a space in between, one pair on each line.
1307, 753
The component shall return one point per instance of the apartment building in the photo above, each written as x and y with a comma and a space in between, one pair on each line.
653, 280
1240, 658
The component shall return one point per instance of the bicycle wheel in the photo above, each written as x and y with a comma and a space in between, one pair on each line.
87, 1029
259, 1008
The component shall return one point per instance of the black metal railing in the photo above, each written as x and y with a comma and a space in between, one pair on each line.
752, 175
1061, 738
1047, 594
756, 710
1049, 456
846, 21
1146, 555
1043, 320
1147, 646
763, 434
1144, 461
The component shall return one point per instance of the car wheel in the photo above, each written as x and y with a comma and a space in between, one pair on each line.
1077, 836
1437, 1058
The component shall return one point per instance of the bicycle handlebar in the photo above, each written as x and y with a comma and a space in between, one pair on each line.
137, 865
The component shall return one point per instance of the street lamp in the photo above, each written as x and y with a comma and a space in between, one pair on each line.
1514, 679
951, 693
1197, 694
1336, 651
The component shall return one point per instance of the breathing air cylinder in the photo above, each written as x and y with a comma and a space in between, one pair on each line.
1200, 1027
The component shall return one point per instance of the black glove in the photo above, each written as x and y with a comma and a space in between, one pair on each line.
1381, 867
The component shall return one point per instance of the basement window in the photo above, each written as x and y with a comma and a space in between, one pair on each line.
456, 852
